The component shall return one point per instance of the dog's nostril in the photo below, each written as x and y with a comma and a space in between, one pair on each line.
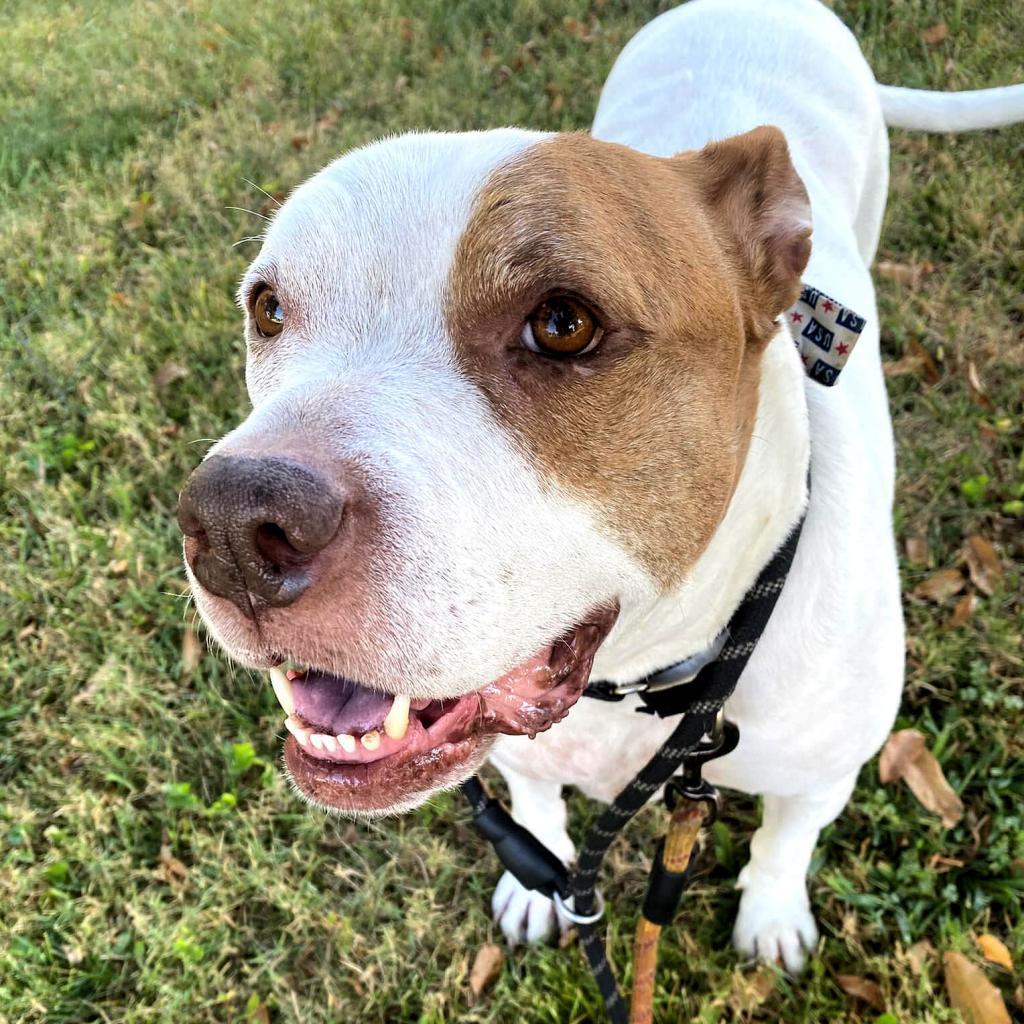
276, 549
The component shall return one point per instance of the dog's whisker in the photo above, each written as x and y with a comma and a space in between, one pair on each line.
273, 199
254, 213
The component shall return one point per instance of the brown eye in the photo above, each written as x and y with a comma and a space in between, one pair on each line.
561, 326
267, 313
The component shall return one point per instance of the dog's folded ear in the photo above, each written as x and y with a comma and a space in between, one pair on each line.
760, 209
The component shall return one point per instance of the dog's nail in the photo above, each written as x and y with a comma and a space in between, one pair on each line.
397, 721
283, 690
371, 740
347, 743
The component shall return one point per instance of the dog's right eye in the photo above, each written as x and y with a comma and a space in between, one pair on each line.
267, 312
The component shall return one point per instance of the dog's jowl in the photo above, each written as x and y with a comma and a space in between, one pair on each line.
528, 407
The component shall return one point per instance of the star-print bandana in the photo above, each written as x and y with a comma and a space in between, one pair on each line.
824, 332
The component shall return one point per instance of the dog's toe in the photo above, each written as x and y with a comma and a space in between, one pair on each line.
524, 916
775, 925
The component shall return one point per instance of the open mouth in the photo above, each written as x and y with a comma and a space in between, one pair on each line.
356, 749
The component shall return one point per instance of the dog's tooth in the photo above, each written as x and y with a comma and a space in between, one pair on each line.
371, 740
346, 742
297, 729
283, 690
328, 743
317, 740
397, 721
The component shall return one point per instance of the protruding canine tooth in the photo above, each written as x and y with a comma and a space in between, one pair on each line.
295, 727
371, 740
397, 721
283, 690
347, 743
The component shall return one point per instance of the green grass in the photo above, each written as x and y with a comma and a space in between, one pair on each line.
129, 130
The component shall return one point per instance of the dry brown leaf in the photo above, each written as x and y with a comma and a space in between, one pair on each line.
191, 651
983, 564
26, 631
972, 993
169, 869
976, 388
749, 991
928, 367
994, 951
905, 756
901, 273
899, 752
917, 550
934, 35
299, 142
486, 968
863, 989
919, 954
260, 1014
168, 374
916, 358
940, 585
964, 609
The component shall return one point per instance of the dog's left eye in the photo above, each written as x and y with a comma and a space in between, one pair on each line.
561, 326
267, 312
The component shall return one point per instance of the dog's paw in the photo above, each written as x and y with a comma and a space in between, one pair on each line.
775, 923
524, 915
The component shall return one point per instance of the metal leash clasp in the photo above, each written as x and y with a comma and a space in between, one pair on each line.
691, 784
566, 911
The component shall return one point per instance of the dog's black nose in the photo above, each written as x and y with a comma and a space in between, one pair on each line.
254, 525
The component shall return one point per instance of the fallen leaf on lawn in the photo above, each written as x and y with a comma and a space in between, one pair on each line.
940, 585
901, 273
972, 993
863, 989
486, 968
964, 609
934, 35
916, 358
905, 756
975, 386
26, 631
995, 951
169, 868
749, 991
300, 142
919, 954
191, 651
917, 550
983, 564
168, 374
118, 567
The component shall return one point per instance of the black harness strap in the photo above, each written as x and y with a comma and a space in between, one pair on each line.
699, 702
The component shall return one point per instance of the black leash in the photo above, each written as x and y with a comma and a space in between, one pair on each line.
701, 735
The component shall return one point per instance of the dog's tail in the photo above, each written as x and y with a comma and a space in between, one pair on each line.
929, 111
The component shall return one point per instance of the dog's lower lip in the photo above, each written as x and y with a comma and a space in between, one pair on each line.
371, 769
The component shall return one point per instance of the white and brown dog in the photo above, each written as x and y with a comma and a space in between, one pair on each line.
526, 405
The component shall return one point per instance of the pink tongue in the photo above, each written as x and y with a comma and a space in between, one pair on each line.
337, 706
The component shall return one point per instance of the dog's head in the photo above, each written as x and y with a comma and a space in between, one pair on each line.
503, 385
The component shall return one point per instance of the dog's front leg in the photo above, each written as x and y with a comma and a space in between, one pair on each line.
775, 922
526, 916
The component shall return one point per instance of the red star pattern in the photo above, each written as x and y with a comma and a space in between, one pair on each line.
828, 305
842, 348
797, 317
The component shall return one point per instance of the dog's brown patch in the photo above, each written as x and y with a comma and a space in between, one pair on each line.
687, 262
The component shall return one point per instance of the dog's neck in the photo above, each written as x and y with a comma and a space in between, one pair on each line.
767, 503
